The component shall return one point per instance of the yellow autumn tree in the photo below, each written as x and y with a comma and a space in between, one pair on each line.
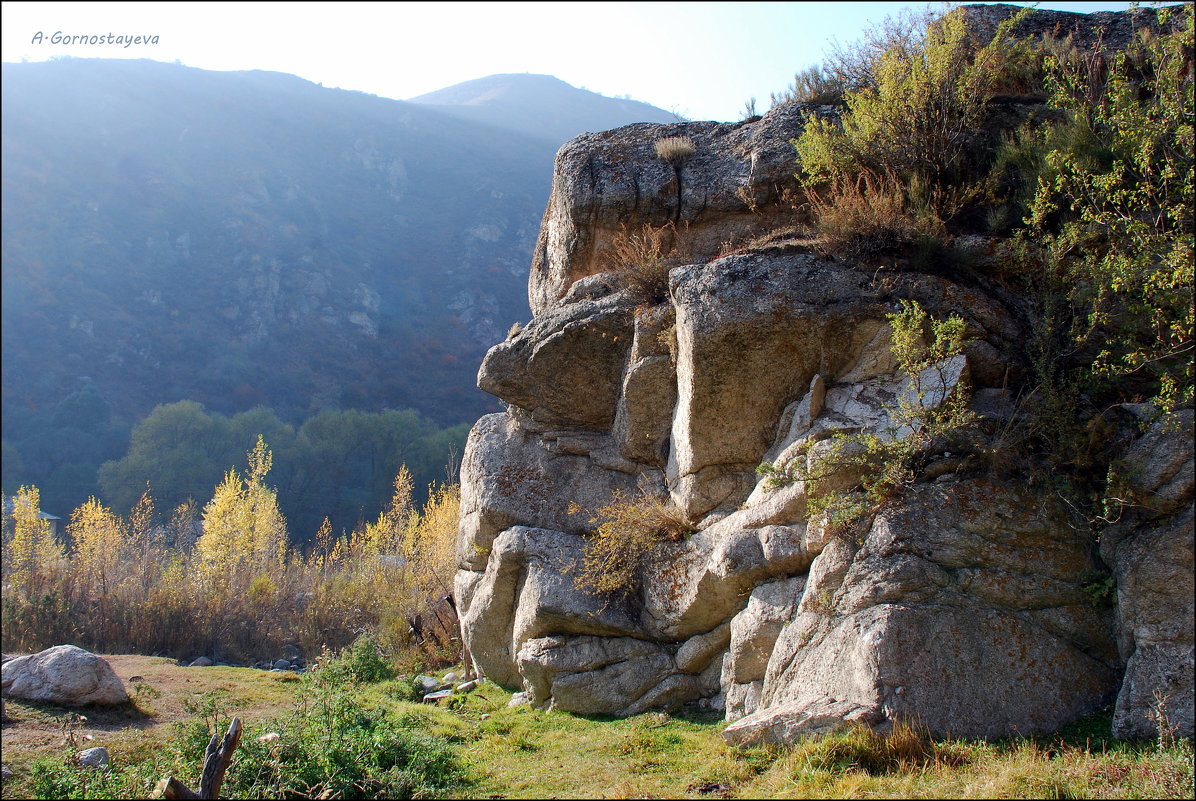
385, 535
99, 550
430, 541
139, 534
33, 555
244, 533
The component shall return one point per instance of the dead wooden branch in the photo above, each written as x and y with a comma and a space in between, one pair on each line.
217, 757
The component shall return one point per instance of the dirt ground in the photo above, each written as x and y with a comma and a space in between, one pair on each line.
160, 688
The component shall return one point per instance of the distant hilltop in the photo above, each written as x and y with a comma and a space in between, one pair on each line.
539, 105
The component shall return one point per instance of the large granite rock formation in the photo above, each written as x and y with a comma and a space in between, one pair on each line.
965, 605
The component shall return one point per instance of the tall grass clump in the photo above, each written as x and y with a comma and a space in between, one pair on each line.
675, 149
332, 746
814, 85
903, 748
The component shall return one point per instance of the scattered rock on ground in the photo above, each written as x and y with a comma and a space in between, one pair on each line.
94, 757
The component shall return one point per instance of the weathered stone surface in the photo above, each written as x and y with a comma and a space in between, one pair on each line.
740, 698
697, 584
729, 190
1154, 572
962, 609
1152, 552
786, 722
526, 592
565, 366
755, 330
93, 757
752, 332
510, 477
65, 675
754, 630
699, 651
644, 416
605, 675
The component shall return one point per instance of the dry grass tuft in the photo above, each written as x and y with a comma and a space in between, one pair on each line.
902, 749
643, 257
675, 149
629, 531
867, 217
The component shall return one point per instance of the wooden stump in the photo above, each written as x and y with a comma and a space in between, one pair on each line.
216, 760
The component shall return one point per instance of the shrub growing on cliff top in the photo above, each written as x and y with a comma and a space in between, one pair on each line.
1116, 215
920, 113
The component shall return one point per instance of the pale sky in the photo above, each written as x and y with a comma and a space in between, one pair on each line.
700, 60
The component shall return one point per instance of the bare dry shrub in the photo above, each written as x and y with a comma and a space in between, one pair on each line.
811, 85
629, 532
785, 235
643, 257
866, 217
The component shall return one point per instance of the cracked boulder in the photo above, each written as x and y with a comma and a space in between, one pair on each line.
962, 609
1151, 552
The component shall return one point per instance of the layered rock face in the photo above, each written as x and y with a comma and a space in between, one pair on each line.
962, 606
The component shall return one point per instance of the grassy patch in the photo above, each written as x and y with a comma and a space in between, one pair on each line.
369, 740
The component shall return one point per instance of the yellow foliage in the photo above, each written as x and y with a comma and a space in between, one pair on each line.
33, 554
430, 540
244, 533
629, 532
99, 547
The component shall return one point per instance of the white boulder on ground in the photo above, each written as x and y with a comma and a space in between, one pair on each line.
66, 675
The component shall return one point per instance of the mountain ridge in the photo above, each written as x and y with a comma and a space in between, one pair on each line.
541, 106
250, 238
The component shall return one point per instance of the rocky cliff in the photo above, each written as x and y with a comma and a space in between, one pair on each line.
966, 603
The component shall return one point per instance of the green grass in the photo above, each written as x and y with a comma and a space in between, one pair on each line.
476, 747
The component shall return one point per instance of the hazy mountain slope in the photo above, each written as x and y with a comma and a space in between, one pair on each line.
539, 105
245, 239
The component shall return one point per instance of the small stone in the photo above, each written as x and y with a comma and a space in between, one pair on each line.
451, 678
203, 661
519, 699
427, 683
94, 757
432, 698
486, 716
282, 664
467, 686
